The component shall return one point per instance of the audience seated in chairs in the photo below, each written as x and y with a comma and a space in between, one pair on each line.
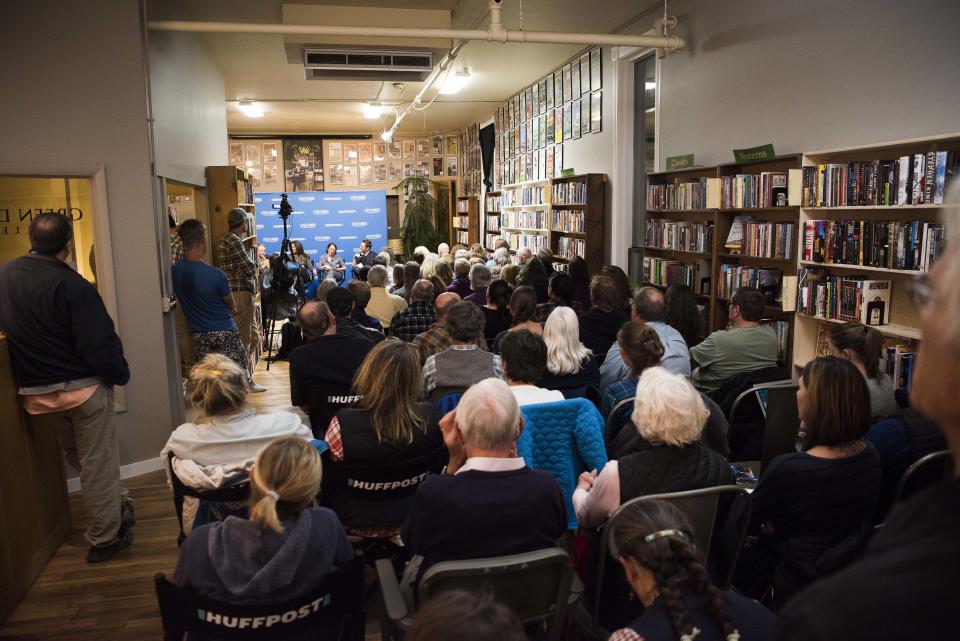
523, 310
655, 545
461, 281
561, 292
464, 616
443, 270
649, 307
496, 311
419, 316
523, 357
437, 338
640, 347
479, 281
745, 347
326, 362
388, 425
383, 305
488, 503
571, 368
599, 324
464, 362
812, 508
361, 298
532, 274
221, 446
669, 414
411, 274
342, 304
901, 588
285, 549
863, 346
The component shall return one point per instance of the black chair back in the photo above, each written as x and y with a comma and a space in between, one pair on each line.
238, 491
744, 410
332, 611
782, 422
925, 472
323, 402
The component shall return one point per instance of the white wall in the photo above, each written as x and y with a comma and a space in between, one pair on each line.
808, 75
80, 99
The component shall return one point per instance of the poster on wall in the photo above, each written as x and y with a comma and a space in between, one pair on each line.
451, 165
575, 114
380, 173
437, 145
395, 173
336, 174
366, 152
424, 148
585, 115
595, 71
409, 149
596, 120
395, 150
344, 218
236, 154
252, 154
438, 166
366, 174
584, 74
350, 153
303, 165
452, 146
335, 152
269, 152
350, 176
379, 151
270, 175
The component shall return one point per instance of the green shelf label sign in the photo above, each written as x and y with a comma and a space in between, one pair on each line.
680, 162
566, 173
754, 154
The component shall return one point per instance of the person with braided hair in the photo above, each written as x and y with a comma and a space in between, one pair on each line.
653, 541
285, 549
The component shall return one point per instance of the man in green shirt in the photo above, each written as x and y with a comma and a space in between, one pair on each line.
745, 347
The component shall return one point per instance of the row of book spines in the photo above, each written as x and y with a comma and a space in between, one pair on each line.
570, 247
571, 193
533, 241
908, 245
908, 180
751, 191
844, 298
767, 240
664, 272
899, 365
734, 276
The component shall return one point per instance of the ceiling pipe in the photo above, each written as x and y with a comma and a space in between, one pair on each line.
432, 78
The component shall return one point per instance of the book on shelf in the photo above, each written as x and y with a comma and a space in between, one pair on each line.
493, 203
899, 365
536, 219
493, 223
782, 329
746, 191
662, 272
463, 206
788, 293
463, 237
568, 220
702, 193
570, 248
535, 242
845, 298
760, 239
916, 179
679, 235
767, 281
461, 222
570, 193
907, 245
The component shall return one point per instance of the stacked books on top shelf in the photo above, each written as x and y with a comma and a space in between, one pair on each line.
760, 239
844, 298
570, 193
662, 272
680, 235
568, 220
524, 219
917, 179
569, 248
906, 244
765, 280
682, 195
744, 191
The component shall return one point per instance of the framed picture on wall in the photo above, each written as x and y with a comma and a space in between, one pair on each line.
567, 82
438, 166
558, 124
567, 121
424, 148
542, 104
548, 139
585, 114
549, 171
530, 103
575, 79
350, 153
557, 161
350, 176
543, 131
236, 153
423, 167
379, 151
252, 154
548, 83
536, 99
394, 150
558, 96
366, 174
409, 149
366, 152
453, 148
270, 174
335, 174
395, 172
437, 142
269, 152
530, 128
596, 109
451, 165
596, 79
542, 154
575, 116
380, 173
523, 138
255, 176
584, 74
335, 152
409, 168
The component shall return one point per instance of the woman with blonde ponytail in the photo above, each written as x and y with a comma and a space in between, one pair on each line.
227, 434
286, 548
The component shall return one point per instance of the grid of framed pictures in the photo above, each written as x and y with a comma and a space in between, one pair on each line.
262, 160
354, 163
533, 125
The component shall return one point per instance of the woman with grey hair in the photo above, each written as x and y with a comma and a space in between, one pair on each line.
479, 281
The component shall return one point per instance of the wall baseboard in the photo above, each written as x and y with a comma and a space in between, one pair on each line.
126, 472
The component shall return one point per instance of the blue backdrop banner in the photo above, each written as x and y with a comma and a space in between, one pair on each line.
322, 217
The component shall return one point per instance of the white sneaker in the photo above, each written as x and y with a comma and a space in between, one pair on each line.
254, 387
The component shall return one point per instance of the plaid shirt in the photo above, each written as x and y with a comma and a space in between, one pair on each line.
240, 268
416, 319
176, 248
430, 382
616, 392
437, 339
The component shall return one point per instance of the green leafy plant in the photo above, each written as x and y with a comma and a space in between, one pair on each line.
418, 227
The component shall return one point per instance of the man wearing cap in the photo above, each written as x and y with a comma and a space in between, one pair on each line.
241, 270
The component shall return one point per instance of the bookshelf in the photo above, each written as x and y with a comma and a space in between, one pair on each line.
491, 227
229, 188
865, 206
564, 214
465, 224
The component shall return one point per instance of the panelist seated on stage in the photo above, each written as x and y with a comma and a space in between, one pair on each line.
464, 362
331, 264
363, 260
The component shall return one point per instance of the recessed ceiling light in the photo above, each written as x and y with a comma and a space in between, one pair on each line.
372, 111
250, 108
455, 82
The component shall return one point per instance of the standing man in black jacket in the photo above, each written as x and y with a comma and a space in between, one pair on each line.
67, 358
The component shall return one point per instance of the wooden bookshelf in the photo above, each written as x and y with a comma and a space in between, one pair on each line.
904, 322
227, 189
465, 223
572, 198
520, 202
491, 219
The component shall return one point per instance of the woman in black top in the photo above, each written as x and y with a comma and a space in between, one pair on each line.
497, 310
533, 274
812, 508
683, 314
301, 257
577, 269
654, 543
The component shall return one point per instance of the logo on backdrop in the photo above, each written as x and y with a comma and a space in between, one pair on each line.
335, 215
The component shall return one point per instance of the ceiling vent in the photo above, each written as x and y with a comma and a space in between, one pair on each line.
367, 64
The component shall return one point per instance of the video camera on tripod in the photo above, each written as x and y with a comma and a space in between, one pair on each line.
286, 271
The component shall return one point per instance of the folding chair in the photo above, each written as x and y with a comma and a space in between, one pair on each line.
323, 403
439, 392
332, 611
781, 421
717, 532
924, 473
534, 585
235, 493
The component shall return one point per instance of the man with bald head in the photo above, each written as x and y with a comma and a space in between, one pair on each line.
437, 338
419, 316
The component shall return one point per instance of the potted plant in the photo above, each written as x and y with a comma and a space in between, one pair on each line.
418, 228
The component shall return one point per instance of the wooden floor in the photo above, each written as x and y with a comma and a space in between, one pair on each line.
73, 600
